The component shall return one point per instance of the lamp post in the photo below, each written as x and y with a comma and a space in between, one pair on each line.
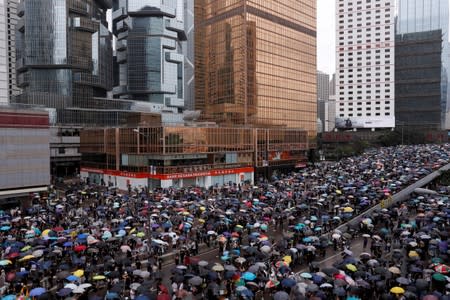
138, 139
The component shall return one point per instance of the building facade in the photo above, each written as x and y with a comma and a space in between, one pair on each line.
186, 156
255, 62
24, 153
64, 52
423, 16
8, 21
151, 64
365, 75
323, 95
189, 55
418, 80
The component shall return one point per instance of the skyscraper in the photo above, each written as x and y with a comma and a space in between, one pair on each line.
256, 62
8, 20
426, 15
365, 85
149, 52
323, 95
189, 55
64, 52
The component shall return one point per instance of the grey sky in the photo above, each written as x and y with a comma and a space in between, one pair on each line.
326, 36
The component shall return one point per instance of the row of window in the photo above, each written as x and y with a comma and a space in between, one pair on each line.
367, 29
387, 102
367, 114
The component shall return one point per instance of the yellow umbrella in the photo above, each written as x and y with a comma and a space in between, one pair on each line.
287, 259
140, 234
338, 192
201, 220
351, 267
98, 277
27, 257
397, 290
26, 248
413, 254
79, 273
132, 230
185, 213
348, 209
202, 208
45, 232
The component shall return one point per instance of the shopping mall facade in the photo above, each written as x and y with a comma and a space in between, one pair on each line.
187, 155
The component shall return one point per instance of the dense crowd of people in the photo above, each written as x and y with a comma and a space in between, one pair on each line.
95, 243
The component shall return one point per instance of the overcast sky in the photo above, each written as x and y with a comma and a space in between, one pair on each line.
325, 36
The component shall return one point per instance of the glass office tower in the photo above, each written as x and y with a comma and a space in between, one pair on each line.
64, 52
428, 15
255, 62
148, 51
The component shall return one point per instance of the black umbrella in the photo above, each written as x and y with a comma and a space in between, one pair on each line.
421, 284
403, 280
339, 291
330, 271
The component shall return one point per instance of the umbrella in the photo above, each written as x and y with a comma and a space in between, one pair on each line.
248, 276
218, 268
339, 291
439, 277
37, 292
306, 275
5, 262
351, 267
203, 263
397, 290
64, 292
441, 268
281, 295
196, 281
403, 280
326, 285
394, 270
288, 282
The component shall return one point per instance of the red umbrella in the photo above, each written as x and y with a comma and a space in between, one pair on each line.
163, 297
58, 229
10, 276
13, 255
163, 289
441, 268
80, 248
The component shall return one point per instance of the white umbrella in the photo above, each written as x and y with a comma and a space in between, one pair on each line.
71, 286
78, 290
266, 249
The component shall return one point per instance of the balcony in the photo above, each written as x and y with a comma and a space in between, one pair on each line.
21, 9
121, 26
23, 79
78, 6
20, 25
121, 45
84, 24
20, 64
119, 14
121, 57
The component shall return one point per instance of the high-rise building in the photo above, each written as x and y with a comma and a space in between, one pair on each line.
8, 21
418, 80
365, 76
255, 62
149, 55
323, 95
425, 15
189, 55
64, 52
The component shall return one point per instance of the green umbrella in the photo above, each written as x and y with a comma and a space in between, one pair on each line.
439, 277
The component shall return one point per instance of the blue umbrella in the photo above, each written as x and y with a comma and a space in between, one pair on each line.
64, 292
288, 282
82, 236
247, 293
68, 244
72, 278
37, 292
5, 228
307, 240
248, 276
112, 295
9, 297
